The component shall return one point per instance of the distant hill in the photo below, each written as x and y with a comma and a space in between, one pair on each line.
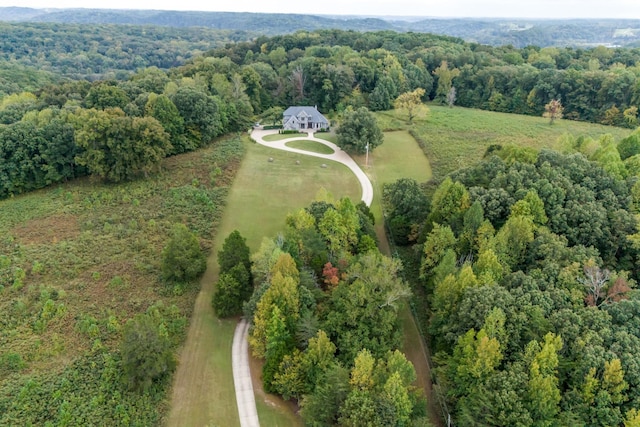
516, 32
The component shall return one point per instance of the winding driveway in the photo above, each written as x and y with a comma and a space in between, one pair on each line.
240, 349
337, 156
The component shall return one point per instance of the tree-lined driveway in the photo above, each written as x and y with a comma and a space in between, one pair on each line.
240, 351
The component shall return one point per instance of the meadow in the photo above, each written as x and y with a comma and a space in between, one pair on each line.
80, 259
458, 137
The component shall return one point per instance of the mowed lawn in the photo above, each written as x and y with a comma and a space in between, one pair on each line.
264, 192
308, 145
458, 137
280, 136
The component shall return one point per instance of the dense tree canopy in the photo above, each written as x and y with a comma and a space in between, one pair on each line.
527, 281
313, 329
222, 91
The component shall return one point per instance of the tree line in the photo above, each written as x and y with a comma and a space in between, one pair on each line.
118, 129
114, 130
335, 69
492, 31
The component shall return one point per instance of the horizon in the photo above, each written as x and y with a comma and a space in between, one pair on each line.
402, 9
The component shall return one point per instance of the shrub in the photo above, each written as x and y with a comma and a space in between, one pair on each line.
182, 258
146, 354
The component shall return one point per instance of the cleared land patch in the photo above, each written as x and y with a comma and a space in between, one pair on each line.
265, 192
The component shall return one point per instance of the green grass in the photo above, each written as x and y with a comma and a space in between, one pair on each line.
458, 137
327, 136
308, 145
92, 252
274, 416
204, 392
264, 192
281, 136
399, 156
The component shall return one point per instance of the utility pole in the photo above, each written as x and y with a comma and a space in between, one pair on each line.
366, 161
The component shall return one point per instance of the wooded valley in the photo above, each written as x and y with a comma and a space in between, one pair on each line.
519, 260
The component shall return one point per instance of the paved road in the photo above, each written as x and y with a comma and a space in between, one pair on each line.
338, 156
240, 350
242, 377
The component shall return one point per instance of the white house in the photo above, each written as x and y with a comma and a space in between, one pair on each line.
302, 118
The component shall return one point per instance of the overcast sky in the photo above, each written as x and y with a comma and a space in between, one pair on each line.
440, 8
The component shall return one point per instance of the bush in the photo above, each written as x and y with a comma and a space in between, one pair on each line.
146, 354
182, 258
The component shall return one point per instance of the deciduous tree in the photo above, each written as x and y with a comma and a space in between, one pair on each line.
146, 354
359, 131
182, 257
553, 110
410, 102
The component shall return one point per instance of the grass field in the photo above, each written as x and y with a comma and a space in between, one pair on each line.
80, 259
309, 145
265, 192
399, 156
203, 389
458, 137
281, 136
327, 136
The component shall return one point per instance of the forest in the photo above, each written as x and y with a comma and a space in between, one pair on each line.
526, 263
492, 31
98, 52
221, 91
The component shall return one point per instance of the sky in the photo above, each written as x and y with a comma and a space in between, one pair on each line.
428, 8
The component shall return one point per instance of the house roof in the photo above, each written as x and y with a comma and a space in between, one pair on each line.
311, 112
